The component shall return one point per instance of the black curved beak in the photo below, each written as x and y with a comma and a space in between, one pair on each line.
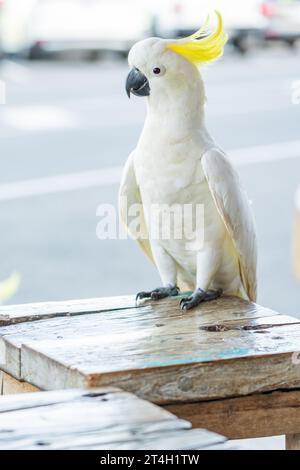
137, 83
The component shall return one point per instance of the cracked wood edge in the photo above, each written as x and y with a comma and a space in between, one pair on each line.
13, 314
16, 402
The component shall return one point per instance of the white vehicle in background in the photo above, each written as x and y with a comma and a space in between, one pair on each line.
283, 20
33, 28
243, 19
36, 27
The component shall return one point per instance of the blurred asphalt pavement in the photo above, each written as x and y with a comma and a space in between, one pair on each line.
74, 121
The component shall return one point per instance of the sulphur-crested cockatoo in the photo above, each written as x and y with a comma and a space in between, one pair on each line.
176, 163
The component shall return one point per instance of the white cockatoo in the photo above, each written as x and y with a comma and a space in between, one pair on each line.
176, 163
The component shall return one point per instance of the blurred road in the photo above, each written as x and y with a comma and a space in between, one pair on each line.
66, 130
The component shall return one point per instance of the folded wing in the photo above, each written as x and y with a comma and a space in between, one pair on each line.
129, 196
234, 208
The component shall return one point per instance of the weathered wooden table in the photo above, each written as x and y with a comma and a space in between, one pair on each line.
229, 366
104, 418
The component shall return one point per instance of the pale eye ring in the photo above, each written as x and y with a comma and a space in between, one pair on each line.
156, 70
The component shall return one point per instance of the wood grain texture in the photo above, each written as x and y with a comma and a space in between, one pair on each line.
257, 415
29, 400
95, 419
12, 314
10, 359
224, 348
11, 386
292, 442
162, 320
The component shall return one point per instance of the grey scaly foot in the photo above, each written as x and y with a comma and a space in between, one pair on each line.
187, 303
159, 293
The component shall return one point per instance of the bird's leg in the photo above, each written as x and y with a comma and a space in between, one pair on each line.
159, 293
167, 270
187, 303
208, 262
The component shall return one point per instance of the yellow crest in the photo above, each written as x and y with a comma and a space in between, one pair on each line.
202, 47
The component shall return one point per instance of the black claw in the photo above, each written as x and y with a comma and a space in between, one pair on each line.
142, 295
156, 295
189, 305
185, 300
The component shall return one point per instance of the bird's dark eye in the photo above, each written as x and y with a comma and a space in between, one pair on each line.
156, 70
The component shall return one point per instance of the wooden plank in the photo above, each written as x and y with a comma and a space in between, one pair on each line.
10, 358
163, 319
194, 439
161, 439
258, 415
12, 314
11, 386
95, 419
15, 315
184, 360
225, 348
31, 400
292, 442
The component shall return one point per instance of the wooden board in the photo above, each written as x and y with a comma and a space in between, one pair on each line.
224, 348
95, 419
141, 319
9, 385
258, 415
12, 314
165, 316
10, 360
292, 442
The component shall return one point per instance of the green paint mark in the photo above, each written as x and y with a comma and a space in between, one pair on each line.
185, 294
210, 356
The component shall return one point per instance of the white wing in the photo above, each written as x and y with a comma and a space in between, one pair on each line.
234, 208
129, 194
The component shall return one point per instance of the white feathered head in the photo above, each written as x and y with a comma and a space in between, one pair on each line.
155, 58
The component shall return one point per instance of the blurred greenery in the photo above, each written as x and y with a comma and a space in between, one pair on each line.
9, 287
